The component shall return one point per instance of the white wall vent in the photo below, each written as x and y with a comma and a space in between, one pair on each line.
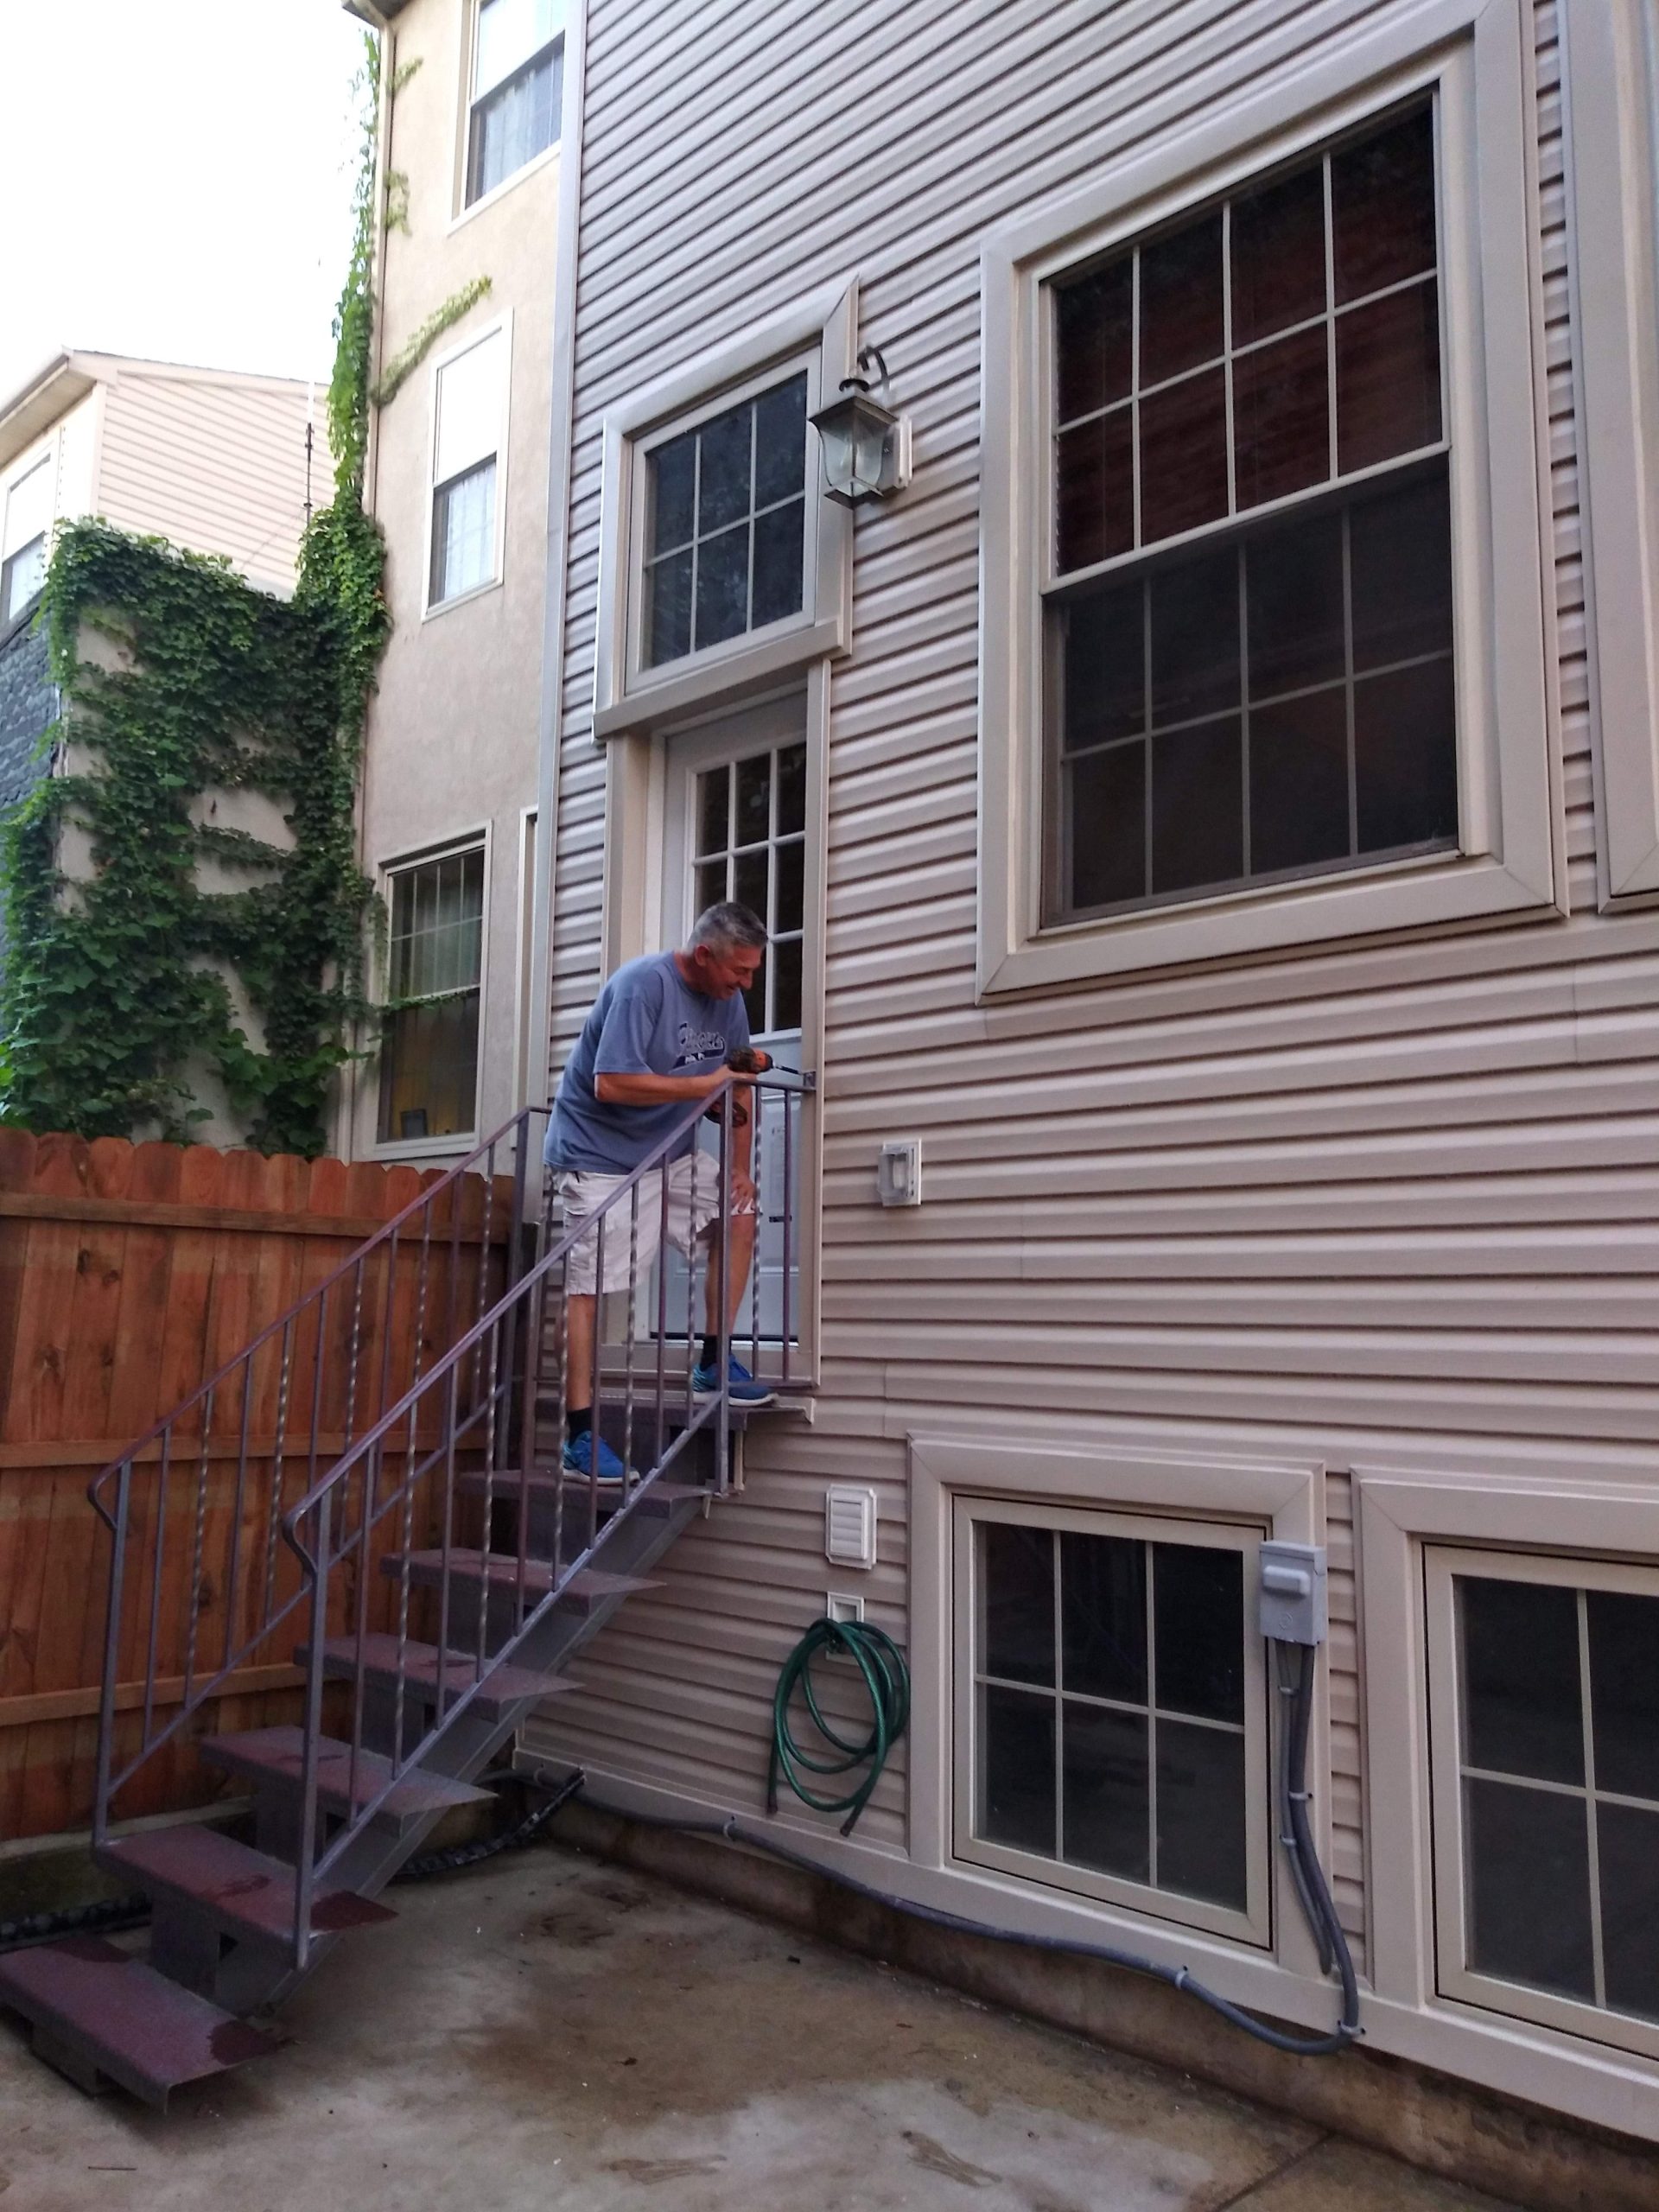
849, 1525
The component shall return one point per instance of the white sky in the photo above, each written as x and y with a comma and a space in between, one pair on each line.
176, 180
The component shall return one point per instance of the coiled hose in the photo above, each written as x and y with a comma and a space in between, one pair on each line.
887, 1678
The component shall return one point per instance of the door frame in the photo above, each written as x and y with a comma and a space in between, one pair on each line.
634, 922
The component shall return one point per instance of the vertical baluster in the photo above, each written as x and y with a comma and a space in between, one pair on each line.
632, 1324
304, 1871
360, 1659
237, 1508
661, 1415
594, 1408
476, 1356
198, 1541
562, 1411
489, 1484
690, 1293
757, 1176
156, 1586
451, 1404
527, 1412
723, 1310
274, 1518
112, 1653
790, 1103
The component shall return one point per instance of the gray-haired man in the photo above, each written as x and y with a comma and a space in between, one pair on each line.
662, 1033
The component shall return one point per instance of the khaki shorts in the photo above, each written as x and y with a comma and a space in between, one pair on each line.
693, 1202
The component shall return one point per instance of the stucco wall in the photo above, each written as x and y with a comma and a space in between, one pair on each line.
452, 732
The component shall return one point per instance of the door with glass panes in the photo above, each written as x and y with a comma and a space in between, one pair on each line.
735, 825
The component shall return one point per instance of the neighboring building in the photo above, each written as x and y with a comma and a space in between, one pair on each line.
211, 458
458, 480
1215, 809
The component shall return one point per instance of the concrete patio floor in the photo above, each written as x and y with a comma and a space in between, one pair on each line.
548, 2030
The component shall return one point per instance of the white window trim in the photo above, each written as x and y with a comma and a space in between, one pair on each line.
1398, 1512
820, 332
1515, 2001
1242, 1537
431, 609
460, 1141
638, 675
463, 209
1472, 51
1612, 170
1282, 1497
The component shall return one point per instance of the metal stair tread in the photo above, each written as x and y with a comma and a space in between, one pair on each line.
239, 1887
116, 2013
504, 1685
501, 1570
543, 1483
278, 1755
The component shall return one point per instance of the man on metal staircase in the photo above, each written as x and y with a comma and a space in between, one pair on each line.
666, 1030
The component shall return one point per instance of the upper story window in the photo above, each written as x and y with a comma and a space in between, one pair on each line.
724, 546
429, 1055
24, 528
1248, 602
470, 403
517, 81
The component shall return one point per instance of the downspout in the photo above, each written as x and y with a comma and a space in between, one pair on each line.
562, 406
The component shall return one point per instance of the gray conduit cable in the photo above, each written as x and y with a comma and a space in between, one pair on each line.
1293, 1828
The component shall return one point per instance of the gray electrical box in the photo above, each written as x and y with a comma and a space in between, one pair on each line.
1291, 1587
898, 1171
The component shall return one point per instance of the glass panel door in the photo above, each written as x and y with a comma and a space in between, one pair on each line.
737, 819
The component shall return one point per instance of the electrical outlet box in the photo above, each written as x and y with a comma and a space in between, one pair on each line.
837, 1606
898, 1171
849, 1525
1293, 1595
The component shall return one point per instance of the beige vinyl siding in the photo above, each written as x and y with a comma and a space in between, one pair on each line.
216, 464
1390, 1204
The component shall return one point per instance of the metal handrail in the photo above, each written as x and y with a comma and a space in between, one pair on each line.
299, 1333
386, 1234
472, 1381
318, 1505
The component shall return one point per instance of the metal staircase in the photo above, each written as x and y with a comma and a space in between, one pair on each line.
432, 1578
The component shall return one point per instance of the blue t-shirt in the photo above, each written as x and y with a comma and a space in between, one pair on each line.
647, 1020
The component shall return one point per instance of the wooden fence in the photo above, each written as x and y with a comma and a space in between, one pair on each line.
128, 1273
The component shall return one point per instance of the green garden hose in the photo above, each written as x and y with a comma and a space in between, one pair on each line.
887, 1680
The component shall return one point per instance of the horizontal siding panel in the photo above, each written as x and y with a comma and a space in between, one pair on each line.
1393, 1200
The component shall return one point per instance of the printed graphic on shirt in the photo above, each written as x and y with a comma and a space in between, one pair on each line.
700, 1044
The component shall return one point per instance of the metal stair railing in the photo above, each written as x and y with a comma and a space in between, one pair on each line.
488, 1602
327, 1359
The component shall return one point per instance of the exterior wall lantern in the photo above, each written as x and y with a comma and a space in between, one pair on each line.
866, 446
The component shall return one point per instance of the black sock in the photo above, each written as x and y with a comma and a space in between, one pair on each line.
579, 1420
709, 1356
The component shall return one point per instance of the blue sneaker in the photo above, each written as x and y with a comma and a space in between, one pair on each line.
578, 1459
740, 1386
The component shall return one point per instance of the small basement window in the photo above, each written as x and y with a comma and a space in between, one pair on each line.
429, 1063
1544, 1693
1111, 1723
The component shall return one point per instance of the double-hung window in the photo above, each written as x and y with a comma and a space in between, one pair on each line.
1111, 1727
517, 80
1265, 650
1544, 1706
470, 407
429, 1063
26, 525
1248, 614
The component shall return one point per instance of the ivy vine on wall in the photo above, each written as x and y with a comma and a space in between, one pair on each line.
116, 992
